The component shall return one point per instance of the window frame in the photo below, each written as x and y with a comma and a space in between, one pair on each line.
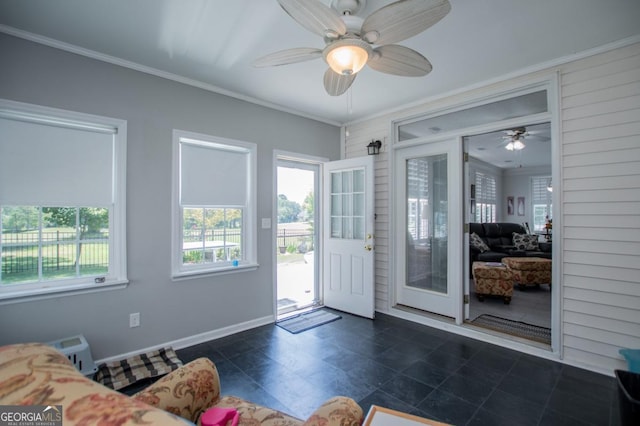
116, 278
249, 228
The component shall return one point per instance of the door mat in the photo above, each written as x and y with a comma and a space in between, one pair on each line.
119, 374
515, 328
307, 321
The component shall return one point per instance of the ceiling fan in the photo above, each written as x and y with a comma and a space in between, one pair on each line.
350, 39
514, 138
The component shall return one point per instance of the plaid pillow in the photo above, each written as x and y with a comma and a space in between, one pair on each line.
525, 242
476, 242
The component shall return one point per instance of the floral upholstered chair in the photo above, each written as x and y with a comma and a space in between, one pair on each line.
37, 374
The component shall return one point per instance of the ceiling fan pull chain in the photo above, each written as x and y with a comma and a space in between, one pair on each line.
349, 101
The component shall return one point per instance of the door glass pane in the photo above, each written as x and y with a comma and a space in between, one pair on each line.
358, 228
358, 181
347, 229
336, 205
358, 204
336, 183
336, 227
427, 221
347, 182
347, 204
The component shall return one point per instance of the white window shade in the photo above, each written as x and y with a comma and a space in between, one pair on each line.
55, 164
213, 175
485, 188
541, 195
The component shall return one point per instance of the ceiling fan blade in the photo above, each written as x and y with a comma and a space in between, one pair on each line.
399, 60
403, 19
315, 16
288, 56
336, 84
538, 138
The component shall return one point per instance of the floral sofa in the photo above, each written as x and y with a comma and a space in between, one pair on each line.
37, 374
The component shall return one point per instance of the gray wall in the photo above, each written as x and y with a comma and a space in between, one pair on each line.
517, 183
152, 106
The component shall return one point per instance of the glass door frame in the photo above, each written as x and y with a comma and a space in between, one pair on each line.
452, 147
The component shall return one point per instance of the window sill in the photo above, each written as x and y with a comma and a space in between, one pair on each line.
188, 275
8, 297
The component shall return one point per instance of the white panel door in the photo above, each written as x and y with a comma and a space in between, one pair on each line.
348, 243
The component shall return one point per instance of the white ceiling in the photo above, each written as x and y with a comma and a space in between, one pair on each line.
490, 148
212, 43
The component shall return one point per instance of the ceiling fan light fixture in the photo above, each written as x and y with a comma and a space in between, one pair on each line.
515, 145
518, 145
347, 56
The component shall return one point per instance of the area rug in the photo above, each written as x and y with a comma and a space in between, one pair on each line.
119, 374
515, 328
307, 321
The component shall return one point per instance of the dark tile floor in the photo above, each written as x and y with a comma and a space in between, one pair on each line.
409, 367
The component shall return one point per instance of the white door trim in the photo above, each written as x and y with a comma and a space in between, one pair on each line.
302, 158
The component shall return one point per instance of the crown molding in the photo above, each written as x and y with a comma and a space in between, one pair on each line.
67, 47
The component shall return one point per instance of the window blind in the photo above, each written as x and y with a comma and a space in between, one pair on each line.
485, 188
539, 188
213, 175
51, 163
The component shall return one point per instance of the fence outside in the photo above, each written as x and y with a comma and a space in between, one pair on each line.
20, 251
60, 252
294, 240
228, 235
285, 237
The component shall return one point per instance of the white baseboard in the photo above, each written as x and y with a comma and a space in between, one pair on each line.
196, 338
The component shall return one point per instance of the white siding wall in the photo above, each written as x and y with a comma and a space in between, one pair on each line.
600, 110
600, 193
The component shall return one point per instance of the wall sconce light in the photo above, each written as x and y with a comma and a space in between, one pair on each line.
374, 148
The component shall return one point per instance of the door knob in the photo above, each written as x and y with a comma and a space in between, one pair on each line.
368, 247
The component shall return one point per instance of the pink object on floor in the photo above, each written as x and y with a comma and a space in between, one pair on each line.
220, 417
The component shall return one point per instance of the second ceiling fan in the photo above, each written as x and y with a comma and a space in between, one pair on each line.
350, 40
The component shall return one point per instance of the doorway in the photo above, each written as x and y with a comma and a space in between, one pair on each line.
520, 112
511, 188
297, 271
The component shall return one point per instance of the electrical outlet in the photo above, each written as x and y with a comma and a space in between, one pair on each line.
134, 320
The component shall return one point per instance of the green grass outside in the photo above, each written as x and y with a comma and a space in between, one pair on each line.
20, 264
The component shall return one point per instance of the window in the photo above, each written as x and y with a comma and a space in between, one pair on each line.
485, 198
214, 204
62, 195
542, 208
